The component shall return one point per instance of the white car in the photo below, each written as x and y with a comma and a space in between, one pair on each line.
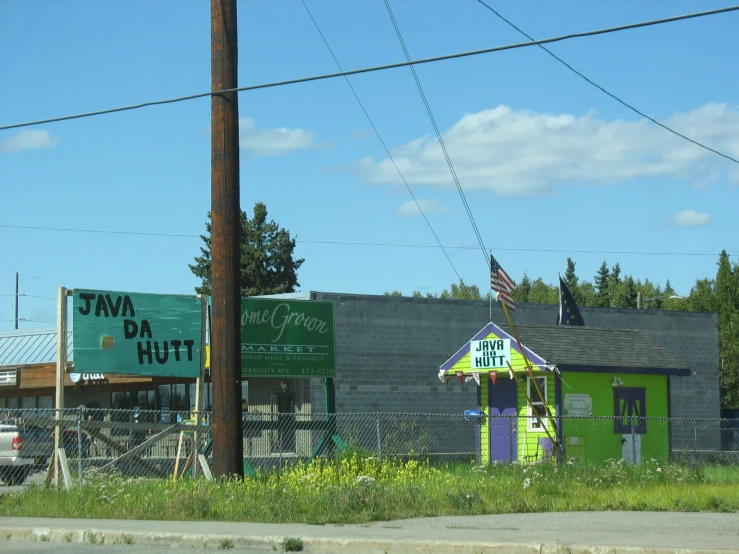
21, 449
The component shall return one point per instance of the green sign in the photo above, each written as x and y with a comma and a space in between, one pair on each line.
136, 334
287, 338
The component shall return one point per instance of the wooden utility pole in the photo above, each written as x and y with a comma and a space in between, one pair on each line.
225, 244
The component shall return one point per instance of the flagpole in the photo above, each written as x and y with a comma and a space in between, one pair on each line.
523, 390
491, 286
533, 378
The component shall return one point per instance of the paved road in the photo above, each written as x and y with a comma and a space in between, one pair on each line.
535, 533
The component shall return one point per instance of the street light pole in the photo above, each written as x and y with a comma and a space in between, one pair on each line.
16, 300
639, 298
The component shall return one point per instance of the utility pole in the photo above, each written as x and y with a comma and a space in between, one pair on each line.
228, 440
16, 300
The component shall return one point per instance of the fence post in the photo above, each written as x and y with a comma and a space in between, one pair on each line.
79, 442
379, 435
512, 449
633, 439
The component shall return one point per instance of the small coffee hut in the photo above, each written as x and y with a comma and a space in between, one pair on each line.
588, 393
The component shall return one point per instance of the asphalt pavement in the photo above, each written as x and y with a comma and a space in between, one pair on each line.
582, 532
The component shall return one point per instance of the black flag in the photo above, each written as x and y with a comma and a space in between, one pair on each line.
569, 313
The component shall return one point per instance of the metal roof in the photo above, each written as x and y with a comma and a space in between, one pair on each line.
30, 347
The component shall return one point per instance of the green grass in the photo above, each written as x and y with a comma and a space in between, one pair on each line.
292, 544
359, 490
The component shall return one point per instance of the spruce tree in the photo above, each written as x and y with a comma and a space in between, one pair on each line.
267, 262
603, 286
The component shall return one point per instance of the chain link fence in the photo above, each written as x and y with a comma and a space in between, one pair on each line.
159, 445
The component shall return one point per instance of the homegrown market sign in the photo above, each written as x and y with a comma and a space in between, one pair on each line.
287, 338
156, 335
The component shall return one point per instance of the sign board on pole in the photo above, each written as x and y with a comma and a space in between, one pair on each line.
156, 335
287, 338
490, 353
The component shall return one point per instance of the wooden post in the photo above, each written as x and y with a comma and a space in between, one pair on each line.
199, 384
61, 366
225, 347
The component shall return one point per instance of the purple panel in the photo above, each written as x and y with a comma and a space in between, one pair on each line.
503, 401
492, 328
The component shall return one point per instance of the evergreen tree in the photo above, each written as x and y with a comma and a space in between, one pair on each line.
626, 294
523, 290
603, 286
267, 262
727, 299
616, 274
669, 291
573, 282
570, 277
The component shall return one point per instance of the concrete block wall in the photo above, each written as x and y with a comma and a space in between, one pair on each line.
389, 350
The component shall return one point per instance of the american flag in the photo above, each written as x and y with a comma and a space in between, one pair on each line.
501, 283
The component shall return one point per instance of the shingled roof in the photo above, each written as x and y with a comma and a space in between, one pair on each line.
575, 348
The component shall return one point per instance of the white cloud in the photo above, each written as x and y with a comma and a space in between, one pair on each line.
28, 139
690, 218
523, 153
273, 142
428, 205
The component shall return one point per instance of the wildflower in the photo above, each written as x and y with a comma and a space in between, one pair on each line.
659, 470
526, 483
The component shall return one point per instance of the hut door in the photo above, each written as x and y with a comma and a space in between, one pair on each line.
503, 401
630, 411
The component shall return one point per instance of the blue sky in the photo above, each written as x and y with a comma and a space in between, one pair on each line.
547, 161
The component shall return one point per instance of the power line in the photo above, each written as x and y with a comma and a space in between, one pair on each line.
101, 231
599, 87
379, 137
28, 296
378, 67
438, 135
376, 244
29, 320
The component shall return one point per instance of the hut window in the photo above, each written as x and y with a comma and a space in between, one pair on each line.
537, 406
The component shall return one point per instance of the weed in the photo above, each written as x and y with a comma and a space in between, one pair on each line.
44, 538
225, 544
91, 538
68, 537
291, 544
126, 539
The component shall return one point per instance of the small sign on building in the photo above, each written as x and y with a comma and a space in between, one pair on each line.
578, 405
490, 353
9, 378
